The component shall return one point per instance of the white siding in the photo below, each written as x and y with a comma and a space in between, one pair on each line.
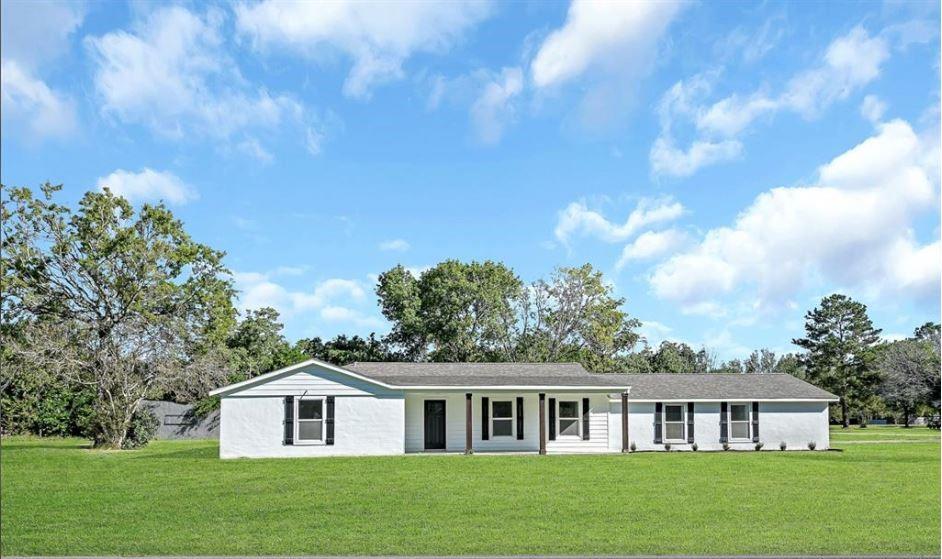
795, 423
455, 419
367, 419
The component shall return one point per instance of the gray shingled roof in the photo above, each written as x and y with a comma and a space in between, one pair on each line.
484, 374
654, 386
713, 386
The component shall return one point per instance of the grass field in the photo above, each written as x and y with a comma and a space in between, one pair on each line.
177, 497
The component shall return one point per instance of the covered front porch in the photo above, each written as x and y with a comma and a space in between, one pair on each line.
513, 420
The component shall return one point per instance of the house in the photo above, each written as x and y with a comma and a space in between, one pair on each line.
318, 409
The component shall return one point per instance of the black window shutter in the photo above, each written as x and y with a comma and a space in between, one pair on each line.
690, 422
658, 424
485, 431
552, 419
755, 422
724, 424
520, 418
329, 421
289, 420
585, 419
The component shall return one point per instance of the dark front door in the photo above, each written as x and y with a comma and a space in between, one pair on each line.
435, 425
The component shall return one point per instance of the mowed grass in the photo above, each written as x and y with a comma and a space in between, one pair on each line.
59, 498
884, 433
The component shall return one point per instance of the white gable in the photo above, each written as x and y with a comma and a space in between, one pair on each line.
312, 378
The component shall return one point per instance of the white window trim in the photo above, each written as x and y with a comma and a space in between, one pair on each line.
513, 419
683, 423
578, 419
747, 421
297, 431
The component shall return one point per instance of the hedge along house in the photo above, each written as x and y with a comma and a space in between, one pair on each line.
318, 409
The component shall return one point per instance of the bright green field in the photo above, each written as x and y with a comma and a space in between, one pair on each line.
177, 497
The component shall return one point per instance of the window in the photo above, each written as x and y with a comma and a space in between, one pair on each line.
309, 420
502, 419
739, 421
674, 422
569, 419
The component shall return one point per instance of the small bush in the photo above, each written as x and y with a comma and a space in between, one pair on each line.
694, 447
725, 446
143, 427
782, 445
812, 445
667, 447
759, 445
633, 447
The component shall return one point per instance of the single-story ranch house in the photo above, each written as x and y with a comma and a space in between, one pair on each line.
318, 409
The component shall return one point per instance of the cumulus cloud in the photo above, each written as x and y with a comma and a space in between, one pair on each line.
849, 63
651, 244
578, 219
148, 185
378, 39
171, 73
606, 35
872, 108
395, 245
853, 229
32, 36
335, 300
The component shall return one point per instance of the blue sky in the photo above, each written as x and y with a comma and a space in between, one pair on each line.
724, 164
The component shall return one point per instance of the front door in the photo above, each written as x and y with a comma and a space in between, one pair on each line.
434, 424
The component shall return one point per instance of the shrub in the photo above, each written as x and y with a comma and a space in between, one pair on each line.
759, 445
725, 446
812, 445
694, 447
667, 447
633, 446
782, 445
142, 429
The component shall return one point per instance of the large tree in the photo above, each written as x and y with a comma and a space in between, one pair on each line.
840, 343
343, 349
910, 370
258, 346
455, 311
117, 300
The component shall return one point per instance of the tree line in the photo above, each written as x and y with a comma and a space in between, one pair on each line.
105, 305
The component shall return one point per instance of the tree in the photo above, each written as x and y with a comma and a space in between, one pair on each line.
258, 345
840, 343
342, 349
791, 364
454, 311
910, 370
573, 316
761, 361
117, 300
674, 357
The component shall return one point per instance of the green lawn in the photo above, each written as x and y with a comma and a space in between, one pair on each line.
883, 433
177, 497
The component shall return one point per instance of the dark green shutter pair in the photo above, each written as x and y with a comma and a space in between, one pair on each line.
289, 421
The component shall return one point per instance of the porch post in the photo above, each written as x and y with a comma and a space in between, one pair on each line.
624, 422
542, 423
467, 426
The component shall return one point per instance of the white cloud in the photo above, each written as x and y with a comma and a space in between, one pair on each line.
335, 300
849, 63
577, 218
651, 244
45, 112
492, 111
853, 229
32, 36
654, 332
606, 35
395, 245
252, 148
171, 73
872, 108
378, 39
148, 185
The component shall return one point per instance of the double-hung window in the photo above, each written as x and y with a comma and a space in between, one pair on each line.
739, 422
309, 420
502, 419
674, 422
569, 418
